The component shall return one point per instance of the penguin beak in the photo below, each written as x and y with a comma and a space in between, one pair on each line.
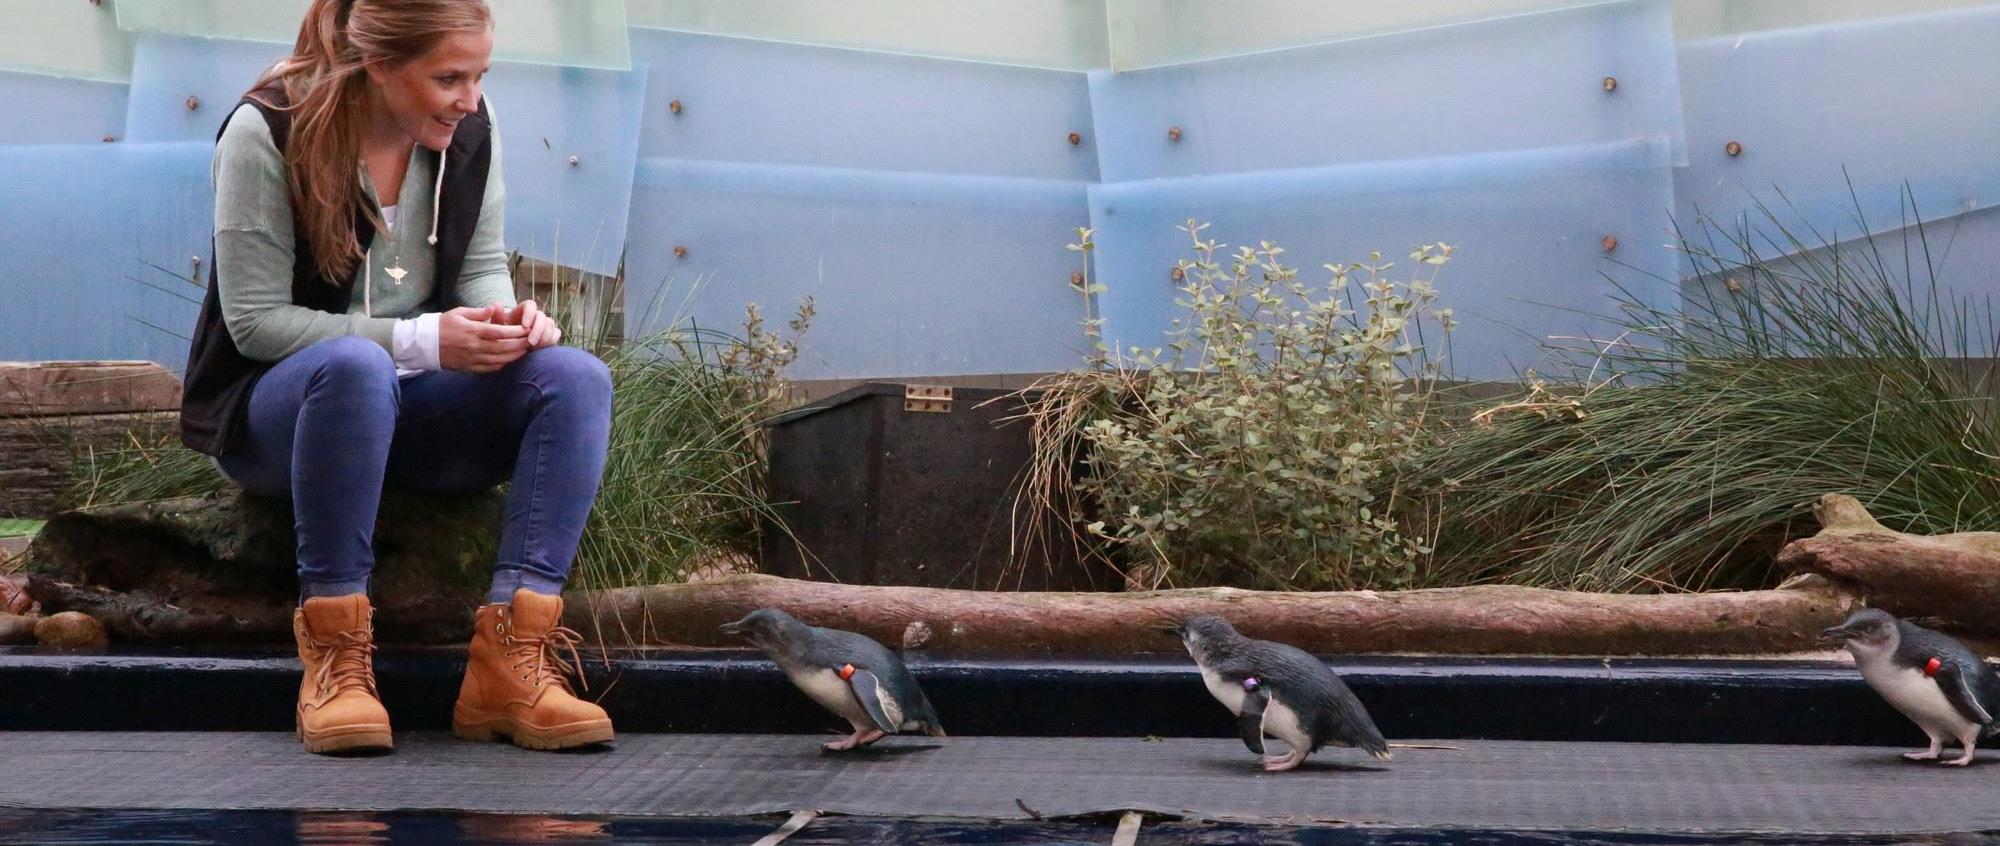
1837, 634
1175, 631
735, 628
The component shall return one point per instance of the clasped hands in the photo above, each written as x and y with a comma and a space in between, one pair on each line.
485, 339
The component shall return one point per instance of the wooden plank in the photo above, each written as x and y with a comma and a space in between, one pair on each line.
58, 388
36, 467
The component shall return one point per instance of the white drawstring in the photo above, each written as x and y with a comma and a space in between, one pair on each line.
367, 257
437, 194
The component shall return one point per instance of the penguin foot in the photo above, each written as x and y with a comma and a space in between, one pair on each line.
1960, 761
1931, 755
1281, 763
857, 739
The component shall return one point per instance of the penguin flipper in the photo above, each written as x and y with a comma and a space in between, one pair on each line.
1957, 687
1250, 723
868, 689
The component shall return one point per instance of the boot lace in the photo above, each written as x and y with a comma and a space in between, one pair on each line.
349, 666
540, 659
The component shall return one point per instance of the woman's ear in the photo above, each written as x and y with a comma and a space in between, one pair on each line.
377, 75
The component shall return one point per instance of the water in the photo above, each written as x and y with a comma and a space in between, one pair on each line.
203, 828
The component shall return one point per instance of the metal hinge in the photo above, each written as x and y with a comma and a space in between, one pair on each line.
926, 398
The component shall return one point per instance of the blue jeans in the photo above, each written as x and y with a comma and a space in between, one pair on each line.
331, 423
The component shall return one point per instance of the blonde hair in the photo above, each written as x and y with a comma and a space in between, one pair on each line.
325, 82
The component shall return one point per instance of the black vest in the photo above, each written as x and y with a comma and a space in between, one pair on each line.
219, 378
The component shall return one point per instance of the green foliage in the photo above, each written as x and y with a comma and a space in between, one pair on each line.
1796, 368
1264, 446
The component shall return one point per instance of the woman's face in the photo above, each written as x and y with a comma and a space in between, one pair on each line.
426, 96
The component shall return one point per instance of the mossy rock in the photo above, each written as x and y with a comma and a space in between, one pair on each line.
222, 568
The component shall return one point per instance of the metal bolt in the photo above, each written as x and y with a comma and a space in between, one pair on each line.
1733, 148
674, 107
680, 252
1174, 133
193, 102
1610, 243
1610, 84
573, 161
1178, 274
197, 263
1075, 139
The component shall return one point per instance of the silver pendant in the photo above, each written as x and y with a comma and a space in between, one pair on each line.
396, 273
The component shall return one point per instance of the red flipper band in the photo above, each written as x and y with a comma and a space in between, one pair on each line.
846, 671
1931, 667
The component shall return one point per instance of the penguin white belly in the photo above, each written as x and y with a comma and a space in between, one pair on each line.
832, 693
1917, 696
1281, 722
1230, 695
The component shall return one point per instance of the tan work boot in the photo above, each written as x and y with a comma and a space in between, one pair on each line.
339, 709
517, 683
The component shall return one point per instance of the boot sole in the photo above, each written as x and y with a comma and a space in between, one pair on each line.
352, 739
480, 729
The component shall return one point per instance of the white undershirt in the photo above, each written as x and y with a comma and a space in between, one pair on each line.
414, 343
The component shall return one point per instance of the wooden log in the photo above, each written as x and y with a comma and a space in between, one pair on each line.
218, 570
1953, 577
37, 454
51, 411
1474, 620
58, 388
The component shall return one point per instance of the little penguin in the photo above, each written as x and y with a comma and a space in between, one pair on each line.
1279, 691
1937, 682
849, 674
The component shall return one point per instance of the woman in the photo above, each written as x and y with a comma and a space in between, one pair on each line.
360, 327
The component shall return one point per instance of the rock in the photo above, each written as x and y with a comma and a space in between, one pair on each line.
12, 548
220, 569
14, 598
71, 630
17, 629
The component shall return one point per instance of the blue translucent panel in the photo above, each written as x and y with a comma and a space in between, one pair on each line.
1953, 256
1152, 33
75, 40
555, 210
1879, 102
1708, 18
1062, 34
757, 101
1520, 83
167, 70
572, 33
96, 242
53, 110
1529, 229
275, 21
914, 274
578, 33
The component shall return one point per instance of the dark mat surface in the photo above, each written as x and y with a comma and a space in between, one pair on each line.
1480, 784
1613, 700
